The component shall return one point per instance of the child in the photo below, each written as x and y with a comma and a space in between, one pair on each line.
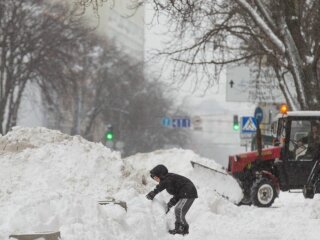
183, 191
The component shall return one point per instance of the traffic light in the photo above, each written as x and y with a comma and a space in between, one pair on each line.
109, 134
235, 123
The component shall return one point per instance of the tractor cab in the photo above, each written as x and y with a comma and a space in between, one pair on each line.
298, 135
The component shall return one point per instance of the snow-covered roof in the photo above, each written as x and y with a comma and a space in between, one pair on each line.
304, 113
298, 114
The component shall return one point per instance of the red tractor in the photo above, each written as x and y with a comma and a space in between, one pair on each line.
291, 164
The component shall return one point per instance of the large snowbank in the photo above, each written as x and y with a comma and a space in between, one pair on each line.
55, 185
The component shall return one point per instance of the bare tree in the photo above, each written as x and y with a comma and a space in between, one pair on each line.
32, 34
106, 86
281, 34
142, 129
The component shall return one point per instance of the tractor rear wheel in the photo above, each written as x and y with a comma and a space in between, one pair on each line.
308, 192
263, 192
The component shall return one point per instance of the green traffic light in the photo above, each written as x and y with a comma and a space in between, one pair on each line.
109, 136
236, 126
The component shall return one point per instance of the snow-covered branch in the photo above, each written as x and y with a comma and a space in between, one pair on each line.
262, 24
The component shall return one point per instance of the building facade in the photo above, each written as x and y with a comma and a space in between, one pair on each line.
119, 21
124, 26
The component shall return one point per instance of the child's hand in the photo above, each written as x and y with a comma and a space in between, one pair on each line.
150, 195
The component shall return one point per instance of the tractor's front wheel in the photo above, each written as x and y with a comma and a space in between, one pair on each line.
263, 192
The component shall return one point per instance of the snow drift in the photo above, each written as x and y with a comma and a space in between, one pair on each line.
55, 183
50, 181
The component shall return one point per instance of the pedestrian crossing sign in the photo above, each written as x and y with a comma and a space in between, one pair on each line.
248, 125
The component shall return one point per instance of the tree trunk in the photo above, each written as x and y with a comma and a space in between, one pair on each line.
311, 87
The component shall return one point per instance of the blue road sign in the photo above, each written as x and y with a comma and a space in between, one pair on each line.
176, 122
258, 114
248, 125
186, 123
166, 122
181, 122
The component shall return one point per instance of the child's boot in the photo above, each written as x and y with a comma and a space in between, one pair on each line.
179, 229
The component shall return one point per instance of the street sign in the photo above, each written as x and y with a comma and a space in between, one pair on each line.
247, 136
250, 83
248, 125
245, 141
181, 122
176, 122
166, 122
258, 114
238, 80
197, 123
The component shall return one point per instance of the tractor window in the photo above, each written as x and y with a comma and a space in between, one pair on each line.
281, 130
298, 144
274, 126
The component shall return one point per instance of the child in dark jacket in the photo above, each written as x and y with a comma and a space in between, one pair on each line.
183, 191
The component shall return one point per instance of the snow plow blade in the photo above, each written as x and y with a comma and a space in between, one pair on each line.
204, 164
220, 181
34, 236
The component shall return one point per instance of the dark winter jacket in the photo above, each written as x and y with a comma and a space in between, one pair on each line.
176, 185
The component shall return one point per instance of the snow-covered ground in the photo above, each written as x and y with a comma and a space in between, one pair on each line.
52, 182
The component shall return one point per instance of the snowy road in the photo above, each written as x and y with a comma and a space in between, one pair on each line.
291, 217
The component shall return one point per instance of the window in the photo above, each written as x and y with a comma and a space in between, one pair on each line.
298, 144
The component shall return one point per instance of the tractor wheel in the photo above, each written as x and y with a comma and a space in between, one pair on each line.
308, 192
263, 192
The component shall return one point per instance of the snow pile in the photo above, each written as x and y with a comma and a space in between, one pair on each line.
56, 184
34, 136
